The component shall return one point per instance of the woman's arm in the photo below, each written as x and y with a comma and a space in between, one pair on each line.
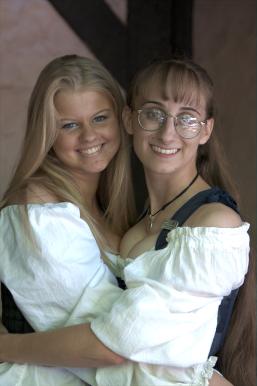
69, 282
74, 346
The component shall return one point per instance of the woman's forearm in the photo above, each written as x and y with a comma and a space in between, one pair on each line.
74, 346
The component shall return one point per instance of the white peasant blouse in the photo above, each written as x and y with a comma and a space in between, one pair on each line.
165, 320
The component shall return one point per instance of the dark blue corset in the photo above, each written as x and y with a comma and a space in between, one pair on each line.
225, 309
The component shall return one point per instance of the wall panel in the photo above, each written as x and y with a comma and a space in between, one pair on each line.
32, 33
224, 41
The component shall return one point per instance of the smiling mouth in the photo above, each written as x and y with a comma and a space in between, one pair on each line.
91, 150
161, 150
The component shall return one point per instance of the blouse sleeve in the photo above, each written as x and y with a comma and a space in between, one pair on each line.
168, 313
61, 279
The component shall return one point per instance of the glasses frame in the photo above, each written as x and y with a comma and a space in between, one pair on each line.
169, 115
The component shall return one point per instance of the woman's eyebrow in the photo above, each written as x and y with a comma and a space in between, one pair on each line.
189, 109
153, 102
76, 118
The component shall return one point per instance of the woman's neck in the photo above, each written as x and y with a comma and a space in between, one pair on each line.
165, 187
88, 186
167, 194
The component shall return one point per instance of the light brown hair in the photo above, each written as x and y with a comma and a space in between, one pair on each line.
184, 80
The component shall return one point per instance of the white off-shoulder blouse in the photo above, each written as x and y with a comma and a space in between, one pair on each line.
62, 282
167, 317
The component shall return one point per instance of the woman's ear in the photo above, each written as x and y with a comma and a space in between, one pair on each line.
127, 119
206, 131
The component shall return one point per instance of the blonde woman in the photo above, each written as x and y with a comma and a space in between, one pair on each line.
141, 325
70, 199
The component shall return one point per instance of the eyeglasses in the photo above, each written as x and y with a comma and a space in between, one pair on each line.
153, 119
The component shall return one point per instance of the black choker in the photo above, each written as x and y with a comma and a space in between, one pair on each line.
151, 216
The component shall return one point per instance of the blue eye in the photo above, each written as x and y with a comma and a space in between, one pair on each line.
100, 119
154, 114
70, 125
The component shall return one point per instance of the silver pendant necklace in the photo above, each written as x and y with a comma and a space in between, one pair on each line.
152, 215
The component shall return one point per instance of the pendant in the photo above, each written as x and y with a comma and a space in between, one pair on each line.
169, 224
150, 217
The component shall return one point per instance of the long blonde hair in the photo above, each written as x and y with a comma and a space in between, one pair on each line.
38, 162
189, 81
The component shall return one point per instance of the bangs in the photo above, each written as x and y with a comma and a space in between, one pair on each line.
179, 84
183, 87
177, 81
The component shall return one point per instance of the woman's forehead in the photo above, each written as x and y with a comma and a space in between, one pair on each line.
169, 90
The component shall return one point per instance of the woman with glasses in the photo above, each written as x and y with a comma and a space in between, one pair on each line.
186, 256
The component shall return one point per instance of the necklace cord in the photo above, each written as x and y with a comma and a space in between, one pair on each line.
150, 215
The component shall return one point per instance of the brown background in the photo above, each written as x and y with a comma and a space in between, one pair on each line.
32, 33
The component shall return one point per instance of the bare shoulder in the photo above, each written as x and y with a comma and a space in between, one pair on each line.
215, 215
218, 380
37, 194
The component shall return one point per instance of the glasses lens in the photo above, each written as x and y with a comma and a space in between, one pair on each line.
188, 126
151, 119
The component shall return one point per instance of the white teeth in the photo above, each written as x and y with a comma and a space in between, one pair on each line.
92, 150
158, 149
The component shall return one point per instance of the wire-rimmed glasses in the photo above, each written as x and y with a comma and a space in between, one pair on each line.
153, 119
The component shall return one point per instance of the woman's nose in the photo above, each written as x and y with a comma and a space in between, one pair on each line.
168, 130
88, 132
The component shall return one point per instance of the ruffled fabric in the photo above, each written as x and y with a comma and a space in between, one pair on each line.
166, 319
204, 372
131, 374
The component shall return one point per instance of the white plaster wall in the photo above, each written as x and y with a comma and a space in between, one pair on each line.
32, 33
